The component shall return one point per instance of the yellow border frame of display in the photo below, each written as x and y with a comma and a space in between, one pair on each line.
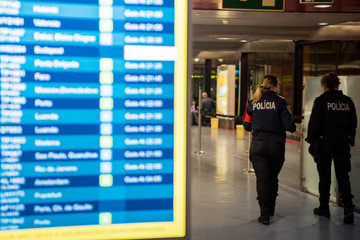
175, 229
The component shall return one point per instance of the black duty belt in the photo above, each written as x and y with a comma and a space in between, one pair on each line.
257, 132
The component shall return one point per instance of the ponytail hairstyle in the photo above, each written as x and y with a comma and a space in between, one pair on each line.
267, 83
330, 81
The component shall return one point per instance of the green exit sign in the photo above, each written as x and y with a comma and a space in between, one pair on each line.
316, 1
264, 5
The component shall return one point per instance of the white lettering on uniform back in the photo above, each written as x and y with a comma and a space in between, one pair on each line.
339, 106
264, 105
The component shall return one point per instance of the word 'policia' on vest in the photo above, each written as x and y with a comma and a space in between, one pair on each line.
338, 106
264, 105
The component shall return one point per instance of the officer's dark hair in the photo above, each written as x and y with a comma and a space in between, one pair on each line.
267, 83
330, 81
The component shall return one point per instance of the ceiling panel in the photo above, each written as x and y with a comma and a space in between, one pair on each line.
224, 30
345, 6
241, 18
338, 6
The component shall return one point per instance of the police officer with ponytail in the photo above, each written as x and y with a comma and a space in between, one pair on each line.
331, 131
270, 120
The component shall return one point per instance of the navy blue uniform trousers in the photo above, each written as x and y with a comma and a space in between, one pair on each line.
337, 148
267, 154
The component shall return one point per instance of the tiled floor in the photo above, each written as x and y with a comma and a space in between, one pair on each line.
223, 197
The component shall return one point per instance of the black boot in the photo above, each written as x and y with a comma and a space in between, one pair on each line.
272, 206
322, 211
264, 219
265, 215
272, 212
349, 213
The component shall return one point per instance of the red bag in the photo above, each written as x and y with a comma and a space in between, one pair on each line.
246, 117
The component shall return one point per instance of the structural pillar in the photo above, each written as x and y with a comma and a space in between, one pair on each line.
207, 77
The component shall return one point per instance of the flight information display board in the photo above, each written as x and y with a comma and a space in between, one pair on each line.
93, 140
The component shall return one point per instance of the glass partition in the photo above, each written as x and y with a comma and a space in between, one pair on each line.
351, 87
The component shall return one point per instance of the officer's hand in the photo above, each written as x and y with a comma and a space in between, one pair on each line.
299, 134
314, 150
316, 158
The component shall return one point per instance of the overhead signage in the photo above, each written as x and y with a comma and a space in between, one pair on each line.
316, 1
93, 140
262, 5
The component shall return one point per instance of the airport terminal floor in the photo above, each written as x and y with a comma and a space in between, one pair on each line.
223, 197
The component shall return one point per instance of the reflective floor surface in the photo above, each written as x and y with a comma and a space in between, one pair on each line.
223, 197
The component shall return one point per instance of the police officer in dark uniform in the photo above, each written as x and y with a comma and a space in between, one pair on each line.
270, 119
331, 131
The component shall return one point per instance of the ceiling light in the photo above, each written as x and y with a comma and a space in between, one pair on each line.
226, 38
197, 59
220, 60
323, 24
243, 40
322, 6
225, 21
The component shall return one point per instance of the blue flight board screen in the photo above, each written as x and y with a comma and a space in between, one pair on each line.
87, 114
